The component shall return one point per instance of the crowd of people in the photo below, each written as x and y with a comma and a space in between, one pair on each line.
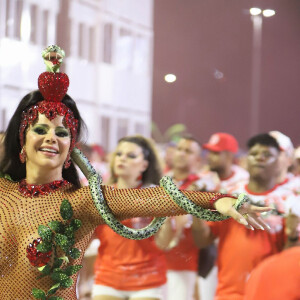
192, 259
49, 217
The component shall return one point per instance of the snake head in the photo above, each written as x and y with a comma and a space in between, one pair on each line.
53, 56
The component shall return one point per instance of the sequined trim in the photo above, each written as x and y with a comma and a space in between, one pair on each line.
35, 190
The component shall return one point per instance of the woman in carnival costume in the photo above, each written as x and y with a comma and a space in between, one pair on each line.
47, 219
130, 269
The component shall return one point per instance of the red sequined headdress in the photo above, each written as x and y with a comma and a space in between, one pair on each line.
53, 85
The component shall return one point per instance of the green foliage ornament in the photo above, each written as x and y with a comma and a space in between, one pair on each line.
56, 235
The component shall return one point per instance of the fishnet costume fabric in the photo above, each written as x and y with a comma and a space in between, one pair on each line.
149, 201
21, 216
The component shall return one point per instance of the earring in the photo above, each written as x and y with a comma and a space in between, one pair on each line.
22, 155
67, 164
140, 177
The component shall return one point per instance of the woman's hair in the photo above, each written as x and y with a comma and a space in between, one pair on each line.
11, 164
153, 173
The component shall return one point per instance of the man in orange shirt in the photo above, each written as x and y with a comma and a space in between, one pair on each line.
182, 253
222, 148
239, 250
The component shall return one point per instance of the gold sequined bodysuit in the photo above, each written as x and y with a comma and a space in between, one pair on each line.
20, 217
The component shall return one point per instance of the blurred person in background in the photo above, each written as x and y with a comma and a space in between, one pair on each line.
296, 164
98, 160
169, 156
131, 269
286, 179
182, 253
222, 148
239, 251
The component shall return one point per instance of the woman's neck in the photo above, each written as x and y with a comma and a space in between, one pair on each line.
39, 176
127, 183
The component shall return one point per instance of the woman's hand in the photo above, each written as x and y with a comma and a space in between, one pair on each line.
247, 215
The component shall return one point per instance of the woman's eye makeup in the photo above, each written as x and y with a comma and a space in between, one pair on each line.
62, 132
131, 155
39, 130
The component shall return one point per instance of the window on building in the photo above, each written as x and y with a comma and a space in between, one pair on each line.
92, 45
105, 131
13, 18
124, 49
139, 128
45, 27
18, 16
141, 55
107, 43
81, 41
122, 129
34, 23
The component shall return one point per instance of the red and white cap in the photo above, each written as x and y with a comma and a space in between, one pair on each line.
222, 141
284, 142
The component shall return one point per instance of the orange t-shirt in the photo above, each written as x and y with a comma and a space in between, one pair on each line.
277, 277
126, 264
239, 251
185, 255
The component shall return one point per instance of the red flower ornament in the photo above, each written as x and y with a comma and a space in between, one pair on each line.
37, 258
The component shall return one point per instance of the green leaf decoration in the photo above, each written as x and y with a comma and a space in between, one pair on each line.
44, 246
53, 289
38, 294
76, 224
45, 270
75, 253
56, 226
45, 233
58, 261
66, 210
71, 270
59, 277
61, 240
69, 232
58, 235
67, 282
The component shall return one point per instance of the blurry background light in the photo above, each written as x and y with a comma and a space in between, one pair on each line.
170, 78
254, 11
269, 12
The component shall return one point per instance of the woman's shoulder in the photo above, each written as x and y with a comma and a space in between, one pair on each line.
6, 181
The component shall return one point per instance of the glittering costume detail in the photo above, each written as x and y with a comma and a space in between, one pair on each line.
94, 183
56, 235
53, 86
20, 217
35, 190
36, 257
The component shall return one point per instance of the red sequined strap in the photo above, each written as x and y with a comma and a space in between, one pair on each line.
218, 196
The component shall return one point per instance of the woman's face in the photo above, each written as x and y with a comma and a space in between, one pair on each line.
129, 161
47, 144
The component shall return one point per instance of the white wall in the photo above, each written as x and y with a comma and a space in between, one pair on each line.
112, 87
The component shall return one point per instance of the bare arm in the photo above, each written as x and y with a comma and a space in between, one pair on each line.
165, 235
202, 233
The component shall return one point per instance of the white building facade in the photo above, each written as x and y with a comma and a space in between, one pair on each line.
108, 46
